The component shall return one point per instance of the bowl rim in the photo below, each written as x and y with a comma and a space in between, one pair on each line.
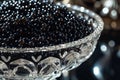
89, 37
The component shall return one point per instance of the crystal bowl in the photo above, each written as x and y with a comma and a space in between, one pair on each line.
47, 63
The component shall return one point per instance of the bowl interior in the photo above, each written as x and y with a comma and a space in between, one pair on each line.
92, 18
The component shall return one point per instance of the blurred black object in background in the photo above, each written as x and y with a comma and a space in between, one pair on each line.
104, 64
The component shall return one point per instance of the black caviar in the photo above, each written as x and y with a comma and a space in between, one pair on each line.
37, 23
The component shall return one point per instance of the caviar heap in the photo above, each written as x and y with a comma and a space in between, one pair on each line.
37, 23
